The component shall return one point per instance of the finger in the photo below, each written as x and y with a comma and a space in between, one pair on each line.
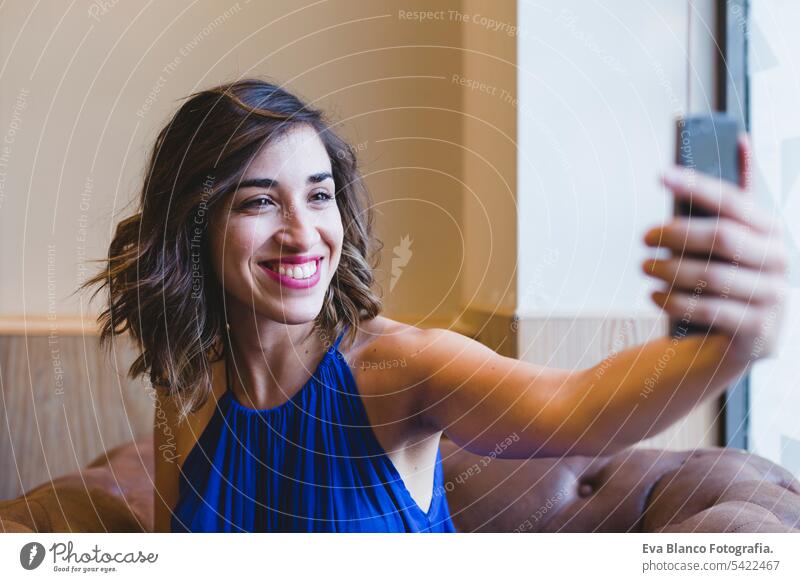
728, 315
718, 197
715, 278
721, 239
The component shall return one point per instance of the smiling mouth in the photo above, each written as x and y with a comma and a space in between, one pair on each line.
295, 271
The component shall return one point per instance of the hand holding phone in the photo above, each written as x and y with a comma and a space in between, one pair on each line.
728, 263
708, 144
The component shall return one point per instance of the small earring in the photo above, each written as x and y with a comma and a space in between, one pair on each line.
228, 326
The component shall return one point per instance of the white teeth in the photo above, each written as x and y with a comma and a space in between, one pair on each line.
303, 271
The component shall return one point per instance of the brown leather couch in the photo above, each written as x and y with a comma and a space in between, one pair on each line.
636, 490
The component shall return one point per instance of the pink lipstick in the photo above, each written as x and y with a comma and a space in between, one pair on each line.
270, 268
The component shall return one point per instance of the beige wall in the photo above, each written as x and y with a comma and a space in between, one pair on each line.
95, 85
490, 156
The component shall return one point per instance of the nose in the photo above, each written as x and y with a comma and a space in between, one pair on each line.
299, 232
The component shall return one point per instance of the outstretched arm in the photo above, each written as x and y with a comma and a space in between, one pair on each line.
480, 399
491, 404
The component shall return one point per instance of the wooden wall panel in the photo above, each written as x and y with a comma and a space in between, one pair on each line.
63, 403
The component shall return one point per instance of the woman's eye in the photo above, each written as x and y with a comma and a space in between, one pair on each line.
325, 195
263, 203
258, 203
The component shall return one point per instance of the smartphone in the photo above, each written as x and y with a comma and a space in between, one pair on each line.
707, 144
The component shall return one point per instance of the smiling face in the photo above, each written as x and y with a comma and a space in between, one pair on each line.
276, 242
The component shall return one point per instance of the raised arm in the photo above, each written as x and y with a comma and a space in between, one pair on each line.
491, 404
480, 399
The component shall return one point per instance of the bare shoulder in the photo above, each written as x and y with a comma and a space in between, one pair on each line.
383, 343
382, 334
423, 350
393, 362
172, 442
181, 436
165, 490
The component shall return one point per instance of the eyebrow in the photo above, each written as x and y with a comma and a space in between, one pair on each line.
271, 183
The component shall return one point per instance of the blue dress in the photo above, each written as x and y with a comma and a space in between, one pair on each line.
311, 464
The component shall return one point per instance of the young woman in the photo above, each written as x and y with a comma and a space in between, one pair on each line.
287, 403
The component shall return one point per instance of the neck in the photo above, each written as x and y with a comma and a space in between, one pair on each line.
268, 360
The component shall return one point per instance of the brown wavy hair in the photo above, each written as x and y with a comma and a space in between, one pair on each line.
151, 271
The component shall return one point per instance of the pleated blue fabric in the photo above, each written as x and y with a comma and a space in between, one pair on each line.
311, 464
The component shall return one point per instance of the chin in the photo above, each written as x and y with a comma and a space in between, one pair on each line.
290, 315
